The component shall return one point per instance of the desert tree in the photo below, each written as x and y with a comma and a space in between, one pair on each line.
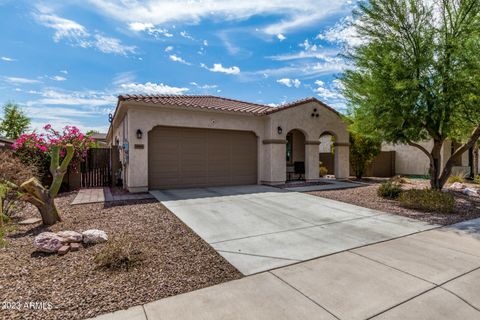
14, 121
416, 75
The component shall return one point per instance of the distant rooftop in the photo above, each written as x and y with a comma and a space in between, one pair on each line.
99, 136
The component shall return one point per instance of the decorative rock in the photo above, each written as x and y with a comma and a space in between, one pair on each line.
48, 242
457, 185
30, 221
70, 236
63, 250
471, 192
74, 246
93, 236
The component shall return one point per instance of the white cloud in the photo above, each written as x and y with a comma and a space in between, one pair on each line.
77, 35
343, 33
19, 80
330, 93
186, 35
217, 67
123, 77
293, 14
308, 47
303, 69
168, 49
151, 88
281, 37
149, 28
205, 43
8, 59
52, 96
64, 28
64, 71
326, 54
204, 87
178, 59
58, 78
112, 45
290, 82
139, 26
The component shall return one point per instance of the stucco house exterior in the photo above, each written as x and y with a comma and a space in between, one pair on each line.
411, 161
180, 141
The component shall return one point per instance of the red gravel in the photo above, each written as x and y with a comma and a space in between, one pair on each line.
176, 261
466, 208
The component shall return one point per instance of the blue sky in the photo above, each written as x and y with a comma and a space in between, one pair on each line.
66, 62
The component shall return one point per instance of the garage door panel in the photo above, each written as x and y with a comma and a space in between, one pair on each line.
188, 157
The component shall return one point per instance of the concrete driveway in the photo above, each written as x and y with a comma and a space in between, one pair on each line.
259, 228
431, 275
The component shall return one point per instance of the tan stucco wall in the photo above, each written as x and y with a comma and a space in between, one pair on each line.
412, 161
300, 117
271, 155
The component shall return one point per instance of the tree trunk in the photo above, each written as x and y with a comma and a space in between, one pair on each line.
447, 170
40, 197
436, 164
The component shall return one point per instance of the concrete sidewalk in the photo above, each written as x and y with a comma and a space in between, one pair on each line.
103, 194
429, 275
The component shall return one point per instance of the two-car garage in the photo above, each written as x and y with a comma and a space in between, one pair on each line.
180, 157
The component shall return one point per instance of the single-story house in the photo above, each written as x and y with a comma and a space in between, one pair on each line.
5, 143
180, 141
410, 160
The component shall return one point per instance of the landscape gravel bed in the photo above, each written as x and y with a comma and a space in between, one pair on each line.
466, 207
175, 261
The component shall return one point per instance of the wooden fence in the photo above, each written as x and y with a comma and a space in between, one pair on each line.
96, 170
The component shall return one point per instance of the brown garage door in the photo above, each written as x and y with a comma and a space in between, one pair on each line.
187, 157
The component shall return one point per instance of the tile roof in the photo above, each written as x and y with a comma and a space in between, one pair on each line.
218, 103
297, 103
200, 101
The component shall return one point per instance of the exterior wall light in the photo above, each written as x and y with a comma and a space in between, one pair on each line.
139, 134
279, 130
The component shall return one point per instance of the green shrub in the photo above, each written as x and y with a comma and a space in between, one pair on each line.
389, 190
118, 254
427, 200
323, 171
476, 179
456, 178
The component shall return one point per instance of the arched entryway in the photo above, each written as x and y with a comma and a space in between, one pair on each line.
295, 155
326, 153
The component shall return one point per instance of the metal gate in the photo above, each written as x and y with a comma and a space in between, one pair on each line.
96, 170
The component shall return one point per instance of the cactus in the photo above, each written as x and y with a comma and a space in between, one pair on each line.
43, 198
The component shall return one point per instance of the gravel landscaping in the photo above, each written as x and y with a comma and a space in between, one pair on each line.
466, 207
175, 260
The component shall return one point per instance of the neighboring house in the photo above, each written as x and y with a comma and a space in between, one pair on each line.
198, 141
5, 143
411, 161
100, 139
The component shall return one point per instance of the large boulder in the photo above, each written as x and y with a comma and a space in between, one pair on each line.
70, 236
94, 236
48, 242
458, 186
471, 192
